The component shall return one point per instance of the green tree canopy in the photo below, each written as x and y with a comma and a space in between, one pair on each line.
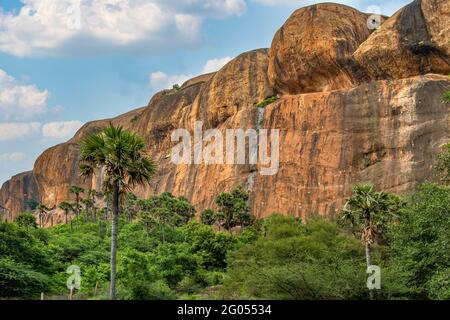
234, 209
298, 261
26, 220
420, 242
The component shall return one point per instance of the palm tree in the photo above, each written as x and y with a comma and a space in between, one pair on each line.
76, 191
67, 207
369, 212
88, 204
42, 211
92, 194
122, 156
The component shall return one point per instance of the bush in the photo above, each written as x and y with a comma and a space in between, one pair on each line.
212, 247
267, 101
295, 261
26, 220
420, 242
19, 280
173, 262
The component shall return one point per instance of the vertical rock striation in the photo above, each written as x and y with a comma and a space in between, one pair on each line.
355, 106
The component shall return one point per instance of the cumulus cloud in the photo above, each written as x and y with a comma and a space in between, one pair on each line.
302, 3
160, 80
12, 157
50, 27
18, 100
53, 130
60, 130
13, 131
214, 65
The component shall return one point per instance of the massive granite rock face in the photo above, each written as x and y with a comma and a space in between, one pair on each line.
413, 41
313, 50
354, 107
15, 193
384, 132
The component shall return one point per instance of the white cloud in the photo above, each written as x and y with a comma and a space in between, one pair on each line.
214, 65
13, 131
52, 27
302, 3
383, 6
60, 130
18, 100
160, 80
12, 157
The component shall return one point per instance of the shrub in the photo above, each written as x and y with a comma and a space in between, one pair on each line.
295, 261
267, 101
26, 220
420, 242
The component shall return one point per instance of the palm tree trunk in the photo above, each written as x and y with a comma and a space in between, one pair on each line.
114, 227
77, 209
367, 247
367, 223
368, 255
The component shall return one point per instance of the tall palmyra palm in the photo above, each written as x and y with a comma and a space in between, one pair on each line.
370, 211
42, 211
76, 191
67, 207
121, 154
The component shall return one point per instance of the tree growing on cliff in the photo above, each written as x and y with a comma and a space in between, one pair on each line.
76, 191
126, 164
369, 212
447, 97
443, 164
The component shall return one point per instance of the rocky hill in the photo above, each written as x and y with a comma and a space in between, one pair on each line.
355, 105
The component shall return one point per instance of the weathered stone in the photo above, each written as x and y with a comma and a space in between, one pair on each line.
412, 42
383, 131
313, 50
15, 193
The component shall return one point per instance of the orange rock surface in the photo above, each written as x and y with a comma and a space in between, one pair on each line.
354, 106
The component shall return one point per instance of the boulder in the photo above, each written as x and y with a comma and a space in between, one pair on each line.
312, 52
414, 41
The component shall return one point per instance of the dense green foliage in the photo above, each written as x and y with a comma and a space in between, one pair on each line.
233, 209
443, 164
26, 220
421, 242
297, 261
163, 253
447, 97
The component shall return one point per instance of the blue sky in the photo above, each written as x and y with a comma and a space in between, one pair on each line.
61, 67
